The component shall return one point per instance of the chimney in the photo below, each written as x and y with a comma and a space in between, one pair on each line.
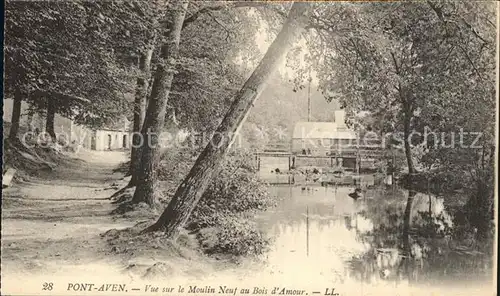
340, 117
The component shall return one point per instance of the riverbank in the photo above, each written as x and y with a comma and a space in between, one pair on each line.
58, 228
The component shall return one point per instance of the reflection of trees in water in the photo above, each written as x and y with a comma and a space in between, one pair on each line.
297, 225
407, 242
430, 240
383, 259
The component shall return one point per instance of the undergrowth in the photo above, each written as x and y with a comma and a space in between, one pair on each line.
222, 220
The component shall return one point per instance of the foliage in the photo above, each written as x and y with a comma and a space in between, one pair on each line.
222, 218
71, 48
418, 65
207, 73
408, 60
236, 190
227, 206
423, 67
218, 51
174, 165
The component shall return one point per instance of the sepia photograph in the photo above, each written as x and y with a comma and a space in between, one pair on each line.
320, 148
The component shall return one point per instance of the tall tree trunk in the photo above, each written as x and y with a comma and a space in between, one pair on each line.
407, 115
51, 114
155, 114
407, 131
16, 115
31, 113
191, 189
139, 113
411, 194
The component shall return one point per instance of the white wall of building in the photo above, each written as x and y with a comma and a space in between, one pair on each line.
111, 140
76, 134
340, 117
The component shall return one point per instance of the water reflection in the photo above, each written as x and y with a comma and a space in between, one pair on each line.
323, 232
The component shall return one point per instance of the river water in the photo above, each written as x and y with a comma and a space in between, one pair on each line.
322, 238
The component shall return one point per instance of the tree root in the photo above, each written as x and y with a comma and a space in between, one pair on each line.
120, 192
124, 197
123, 208
153, 228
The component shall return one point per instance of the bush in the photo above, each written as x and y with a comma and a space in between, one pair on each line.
222, 217
233, 236
174, 165
225, 208
236, 190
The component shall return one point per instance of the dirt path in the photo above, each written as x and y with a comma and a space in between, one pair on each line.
53, 230
52, 224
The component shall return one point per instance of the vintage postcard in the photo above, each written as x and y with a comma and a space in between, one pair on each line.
320, 148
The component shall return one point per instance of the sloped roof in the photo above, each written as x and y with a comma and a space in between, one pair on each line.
118, 125
321, 130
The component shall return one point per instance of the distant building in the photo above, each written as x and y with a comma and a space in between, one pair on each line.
327, 139
114, 137
323, 138
109, 139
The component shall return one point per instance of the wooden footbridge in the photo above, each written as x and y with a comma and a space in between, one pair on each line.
354, 156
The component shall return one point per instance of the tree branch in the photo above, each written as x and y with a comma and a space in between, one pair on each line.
437, 10
448, 55
440, 15
228, 32
470, 61
474, 31
395, 62
236, 4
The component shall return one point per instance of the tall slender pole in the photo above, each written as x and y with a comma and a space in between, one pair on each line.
358, 161
392, 170
430, 198
307, 230
309, 98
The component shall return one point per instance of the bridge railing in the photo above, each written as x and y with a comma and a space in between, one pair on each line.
361, 151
